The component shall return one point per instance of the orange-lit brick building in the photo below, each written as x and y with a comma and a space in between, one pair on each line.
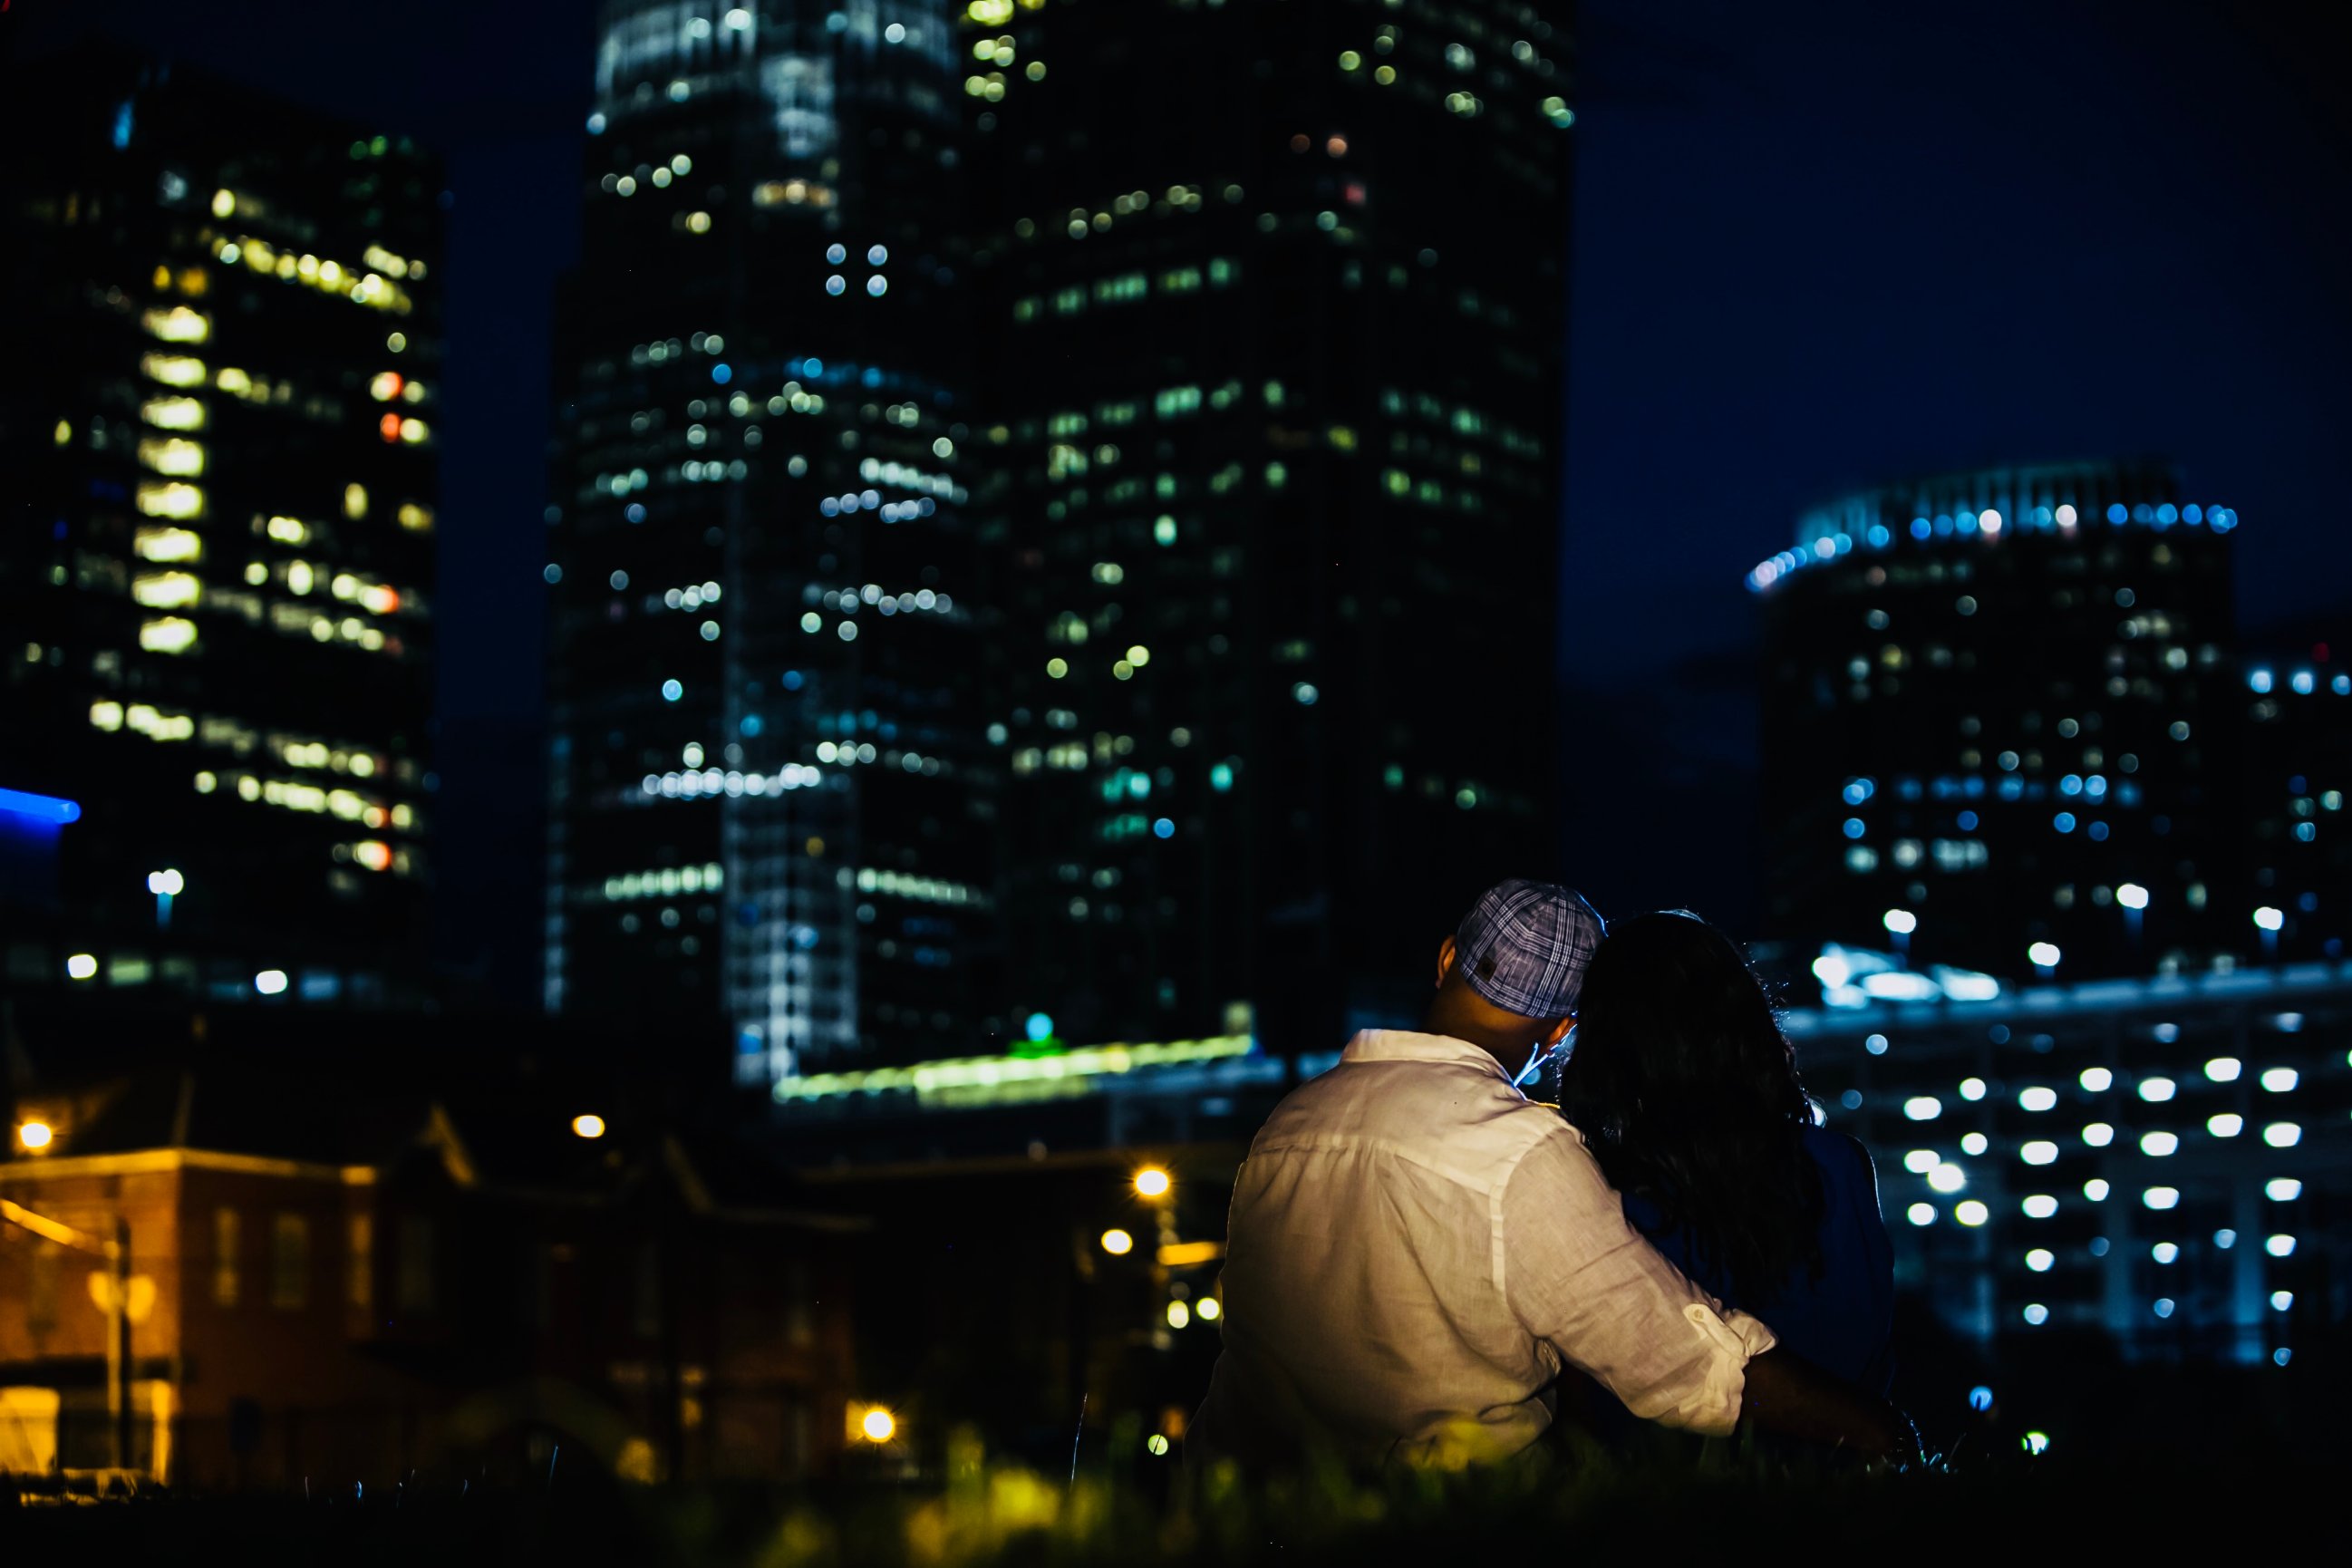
343, 1293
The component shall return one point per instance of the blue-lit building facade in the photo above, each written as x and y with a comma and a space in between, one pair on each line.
1276, 301
218, 411
2163, 1162
773, 812
2000, 712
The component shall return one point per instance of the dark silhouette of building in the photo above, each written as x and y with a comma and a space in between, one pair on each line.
772, 807
2000, 721
1274, 297
217, 400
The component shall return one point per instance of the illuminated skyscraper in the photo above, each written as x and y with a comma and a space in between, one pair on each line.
1275, 296
2000, 720
219, 381
772, 807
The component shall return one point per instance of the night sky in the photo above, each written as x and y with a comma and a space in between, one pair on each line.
1816, 246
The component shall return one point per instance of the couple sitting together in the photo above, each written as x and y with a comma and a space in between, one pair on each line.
1418, 1252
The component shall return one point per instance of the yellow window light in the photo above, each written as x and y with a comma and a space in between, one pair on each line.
178, 325
356, 498
168, 545
287, 531
414, 432
173, 454
172, 370
169, 634
106, 716
168, 590
171, 500
300, 577
415, 518
224, 204
231, 380
174, 413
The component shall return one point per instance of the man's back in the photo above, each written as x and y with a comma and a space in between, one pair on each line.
1390, 1294
1362, 1253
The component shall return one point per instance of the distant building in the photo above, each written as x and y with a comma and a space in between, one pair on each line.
2163, 1162
406, 1288
1275, 300
774, 812
218, 418
2298, 766
2001, 725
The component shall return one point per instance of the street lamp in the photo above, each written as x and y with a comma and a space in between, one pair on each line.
2045, 956
1117, 1242
879, 1426
35, 1135
590, 1126
166, 885
1901, 924
2272, 921
2133, 899
1151, 1182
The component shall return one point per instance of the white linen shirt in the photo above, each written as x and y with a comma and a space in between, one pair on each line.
1415, 1247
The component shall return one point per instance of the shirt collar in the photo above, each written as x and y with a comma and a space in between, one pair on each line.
1409, 1045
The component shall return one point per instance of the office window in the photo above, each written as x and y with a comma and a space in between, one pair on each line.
290, 1262
225, 1258
361, 1263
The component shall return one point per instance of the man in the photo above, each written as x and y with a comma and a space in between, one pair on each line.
1416, 1249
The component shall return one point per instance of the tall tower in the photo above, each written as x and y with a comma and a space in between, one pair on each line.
1275, 296
1998, 721
772, 807
218, 398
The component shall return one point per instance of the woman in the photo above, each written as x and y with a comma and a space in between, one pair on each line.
1686, 1092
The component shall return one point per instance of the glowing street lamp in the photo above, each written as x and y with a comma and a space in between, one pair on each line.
2133, 899
2045, 956
879, 1426
1117, 1242
35, 1135
166, 885
590, 1126
2270, 921
1900, 924
1151, 1182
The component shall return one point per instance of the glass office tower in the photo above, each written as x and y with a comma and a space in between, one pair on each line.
773, 809
2002, 713
1276, 297
220, 393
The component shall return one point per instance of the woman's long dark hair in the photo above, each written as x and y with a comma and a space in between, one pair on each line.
1687, 1093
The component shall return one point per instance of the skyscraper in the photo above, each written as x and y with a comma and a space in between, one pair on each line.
772, 807
1041, 537
219, 399
1275, 297
1999, 721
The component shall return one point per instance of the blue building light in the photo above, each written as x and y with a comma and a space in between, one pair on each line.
2118, 514
2064, 822
722, 373
49, 810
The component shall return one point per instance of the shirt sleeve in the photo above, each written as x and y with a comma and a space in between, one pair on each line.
1581, 1279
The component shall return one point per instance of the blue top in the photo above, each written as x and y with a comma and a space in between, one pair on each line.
1844, 1321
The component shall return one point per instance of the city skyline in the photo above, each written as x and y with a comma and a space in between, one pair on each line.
1657, 87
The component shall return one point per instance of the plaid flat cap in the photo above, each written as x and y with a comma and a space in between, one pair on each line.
1524, 947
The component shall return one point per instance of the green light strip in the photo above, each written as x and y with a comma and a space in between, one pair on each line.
976, 1072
